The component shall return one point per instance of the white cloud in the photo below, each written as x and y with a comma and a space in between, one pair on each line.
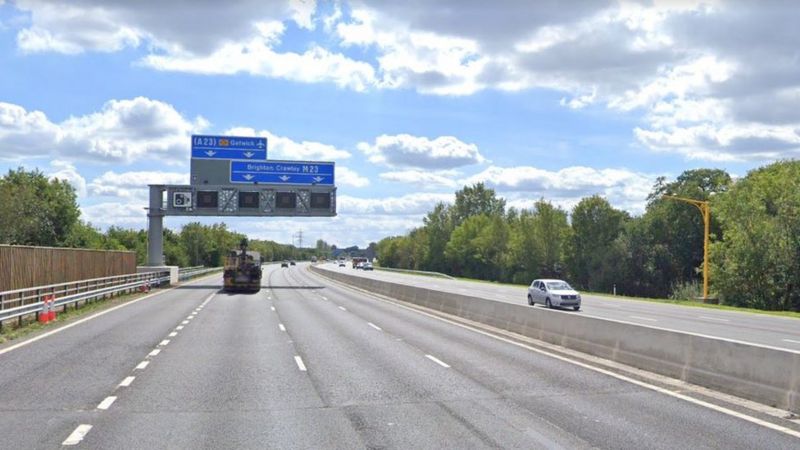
404, 150
280, 147
349, 177
132, 185
128, 214
524, 185
410, 204
423, 179
66, 171
123, 131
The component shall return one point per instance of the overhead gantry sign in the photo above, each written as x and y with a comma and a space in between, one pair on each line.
230, 176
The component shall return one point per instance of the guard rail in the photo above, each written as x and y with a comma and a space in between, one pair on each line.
16, 304
189, 272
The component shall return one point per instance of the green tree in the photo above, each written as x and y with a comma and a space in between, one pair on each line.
476, 200
35, 210
758, 262
439, 226
595, 227
477, 246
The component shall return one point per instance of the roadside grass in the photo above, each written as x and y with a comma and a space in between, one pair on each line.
689, 303
12, 330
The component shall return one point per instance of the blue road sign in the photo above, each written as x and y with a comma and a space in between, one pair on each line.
229, 147
283, 172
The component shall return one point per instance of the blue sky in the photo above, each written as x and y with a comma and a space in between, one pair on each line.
412, 99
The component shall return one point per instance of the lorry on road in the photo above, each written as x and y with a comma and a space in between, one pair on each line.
242, 270
358, 259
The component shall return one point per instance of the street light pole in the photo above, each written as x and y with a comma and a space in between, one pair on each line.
705, 210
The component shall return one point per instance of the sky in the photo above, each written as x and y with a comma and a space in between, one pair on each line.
412, 100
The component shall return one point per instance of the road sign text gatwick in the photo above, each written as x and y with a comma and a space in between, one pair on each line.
283, 172
229, 147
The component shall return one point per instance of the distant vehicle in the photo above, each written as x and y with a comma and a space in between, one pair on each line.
292, 263
285, 264
367, 266
342, 263
553, 293
360, 265
358, 259
313, 259
242, 270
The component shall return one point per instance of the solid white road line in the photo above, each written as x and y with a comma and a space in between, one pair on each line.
720, 409
154, 352
105, 404
649, 319
85, 319
77, 436
179, 327
127, 381
374, 326
173, 334
283, 328
163, 343
437, 361
142, 365
714, 318
343, 308
300, 364
792, 341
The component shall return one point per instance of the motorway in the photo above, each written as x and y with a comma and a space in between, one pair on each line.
307, 363
772, 331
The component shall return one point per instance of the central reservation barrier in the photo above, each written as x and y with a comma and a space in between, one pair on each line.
766, 375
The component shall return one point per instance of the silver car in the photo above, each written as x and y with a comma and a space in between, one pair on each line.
553, 293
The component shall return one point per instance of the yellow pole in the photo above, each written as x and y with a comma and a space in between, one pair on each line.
705, 210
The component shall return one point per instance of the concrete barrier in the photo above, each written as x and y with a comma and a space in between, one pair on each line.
766, 375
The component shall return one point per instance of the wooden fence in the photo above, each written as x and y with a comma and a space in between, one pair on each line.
22, 267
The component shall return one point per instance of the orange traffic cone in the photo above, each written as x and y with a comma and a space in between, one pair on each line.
52, 309
44, 315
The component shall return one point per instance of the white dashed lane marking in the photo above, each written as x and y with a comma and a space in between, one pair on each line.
714, 318
173, 334
343, 308
437, 361
154, 352
77, 436
179, 327
300, 364
105, 404
283, 328
142, 365
164, 342
374, 326
644, 318
127, 381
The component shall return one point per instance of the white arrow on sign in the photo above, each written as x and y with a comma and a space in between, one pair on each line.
248, 154
248, 177
211, 153
284, 178
318, 179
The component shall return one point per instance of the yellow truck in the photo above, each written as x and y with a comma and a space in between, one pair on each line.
242, 270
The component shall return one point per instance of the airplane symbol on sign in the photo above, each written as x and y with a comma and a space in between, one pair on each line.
211, 153
260, 144
248, 177
248, 154
284, 178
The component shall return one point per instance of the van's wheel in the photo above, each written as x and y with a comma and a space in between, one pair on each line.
576, 308
548, 304
530, 300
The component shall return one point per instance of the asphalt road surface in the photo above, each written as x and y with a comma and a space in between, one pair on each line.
306, 363
773, 331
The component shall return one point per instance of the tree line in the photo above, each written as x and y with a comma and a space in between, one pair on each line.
754, 255
36, 210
